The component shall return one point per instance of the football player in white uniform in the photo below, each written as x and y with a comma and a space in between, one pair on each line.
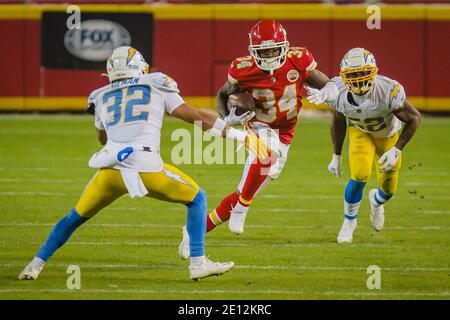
128, 117
374, 107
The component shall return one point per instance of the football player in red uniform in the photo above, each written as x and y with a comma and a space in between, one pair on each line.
274, 73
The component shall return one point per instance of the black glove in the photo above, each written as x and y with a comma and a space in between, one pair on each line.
91, 109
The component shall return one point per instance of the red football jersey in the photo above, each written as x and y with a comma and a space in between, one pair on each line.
278, 94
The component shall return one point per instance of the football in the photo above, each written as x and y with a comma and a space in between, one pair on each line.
242, 101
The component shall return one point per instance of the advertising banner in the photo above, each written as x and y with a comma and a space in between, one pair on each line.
88, 44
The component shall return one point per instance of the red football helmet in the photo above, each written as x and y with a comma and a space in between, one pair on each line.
268, 44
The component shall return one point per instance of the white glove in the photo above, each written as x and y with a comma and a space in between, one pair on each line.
329, 92
315, 96
335, 166
233, 120
389, 158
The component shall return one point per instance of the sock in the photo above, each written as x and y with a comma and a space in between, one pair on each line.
60, 233
256, 175
196, 224
380, 198
38, 262
196, 261
352, 198
242, 205
222, 212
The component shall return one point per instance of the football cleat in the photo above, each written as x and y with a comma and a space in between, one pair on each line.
376, 213
237, 220
183, 247
31, 271
346, 233
208, 268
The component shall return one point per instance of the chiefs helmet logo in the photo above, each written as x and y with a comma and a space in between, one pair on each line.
293, 75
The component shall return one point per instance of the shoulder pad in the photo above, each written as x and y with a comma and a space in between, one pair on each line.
163, 82
240, 68
302, 59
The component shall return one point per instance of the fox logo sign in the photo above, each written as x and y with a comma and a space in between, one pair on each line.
96, 39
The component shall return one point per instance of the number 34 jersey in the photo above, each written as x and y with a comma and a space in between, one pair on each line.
279, 94
374, 115
132, 111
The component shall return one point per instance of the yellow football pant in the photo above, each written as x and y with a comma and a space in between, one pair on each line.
107, 185
365, 150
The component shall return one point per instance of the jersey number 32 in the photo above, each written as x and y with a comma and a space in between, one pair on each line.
134, 96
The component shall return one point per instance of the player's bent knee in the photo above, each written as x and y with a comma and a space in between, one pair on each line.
361, 176
361, 173
199, 199
360, 169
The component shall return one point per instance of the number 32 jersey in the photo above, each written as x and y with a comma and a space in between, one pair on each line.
132, 111
279, 94
375, 114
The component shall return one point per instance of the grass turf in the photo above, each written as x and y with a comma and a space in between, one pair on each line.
288, 250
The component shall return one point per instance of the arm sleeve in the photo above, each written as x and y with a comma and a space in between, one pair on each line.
172, 101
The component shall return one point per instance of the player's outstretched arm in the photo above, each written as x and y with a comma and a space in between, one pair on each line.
219, 127
411, 117
317, 79
321, 89
338, 129
222, 98
190, 114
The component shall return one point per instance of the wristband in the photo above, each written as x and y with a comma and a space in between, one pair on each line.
218, 127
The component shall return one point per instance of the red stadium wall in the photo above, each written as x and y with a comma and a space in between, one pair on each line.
195, 44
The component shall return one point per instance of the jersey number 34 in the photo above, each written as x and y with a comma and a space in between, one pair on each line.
287, 103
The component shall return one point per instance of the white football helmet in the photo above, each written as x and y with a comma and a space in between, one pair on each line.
125, 62
358, 70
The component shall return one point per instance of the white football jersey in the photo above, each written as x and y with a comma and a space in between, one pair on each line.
373, 114
132, 111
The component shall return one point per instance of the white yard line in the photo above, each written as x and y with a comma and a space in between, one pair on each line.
236, 244
428, 184
31, 193
176, 226
250, 267
38, 180
270, 292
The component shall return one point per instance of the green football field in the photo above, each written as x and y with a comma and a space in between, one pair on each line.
288, 250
